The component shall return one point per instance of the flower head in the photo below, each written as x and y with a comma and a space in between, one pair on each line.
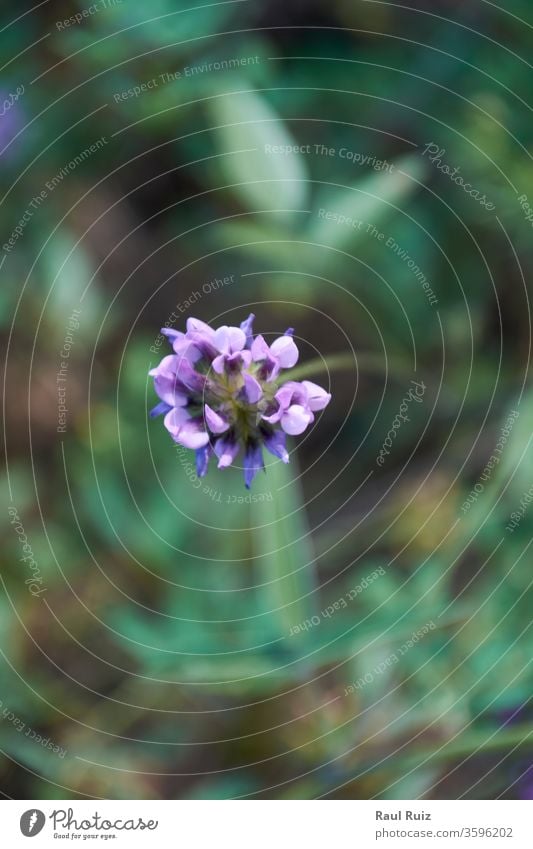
222, 391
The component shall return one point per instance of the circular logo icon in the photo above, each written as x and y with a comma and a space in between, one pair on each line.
32, 822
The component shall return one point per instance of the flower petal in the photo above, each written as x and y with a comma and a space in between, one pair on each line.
195, 346
194, 325
175, 419
274, 417
229, 340
167, 366
215, 423
203, 455
219, 364
189, 377
235, 362
285, 351
170, 391
182, 344
160, 409
318, 398
186, 349
253, 390
260, 349
269, 369
166, 383
192, 434
276, 444
253, 463
172, 335
232, 363
226, 450
248, 329
291, 392
295, 420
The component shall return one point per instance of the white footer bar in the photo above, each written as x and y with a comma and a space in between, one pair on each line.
267, 824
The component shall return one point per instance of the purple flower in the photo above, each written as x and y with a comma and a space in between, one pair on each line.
295, 404
231, 342
12, 120
283, 353
221, 392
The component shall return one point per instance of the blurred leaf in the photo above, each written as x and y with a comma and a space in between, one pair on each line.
264, 181
69, 274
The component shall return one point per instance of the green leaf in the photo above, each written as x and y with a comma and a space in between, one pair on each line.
247, 124
71, 282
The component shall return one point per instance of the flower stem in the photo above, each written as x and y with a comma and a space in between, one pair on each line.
341, 362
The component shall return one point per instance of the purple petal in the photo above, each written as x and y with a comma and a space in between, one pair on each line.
269, 369
229, 340
252, 389
215, 423
172, 335
276, 444
295, 420
285, 351
274, 413
248, 328
171, 391
188, 432
260, 349
253, 463
160, 409
167, 366
175, 419
203, 455
186, 350
318, 398
166, 384
219, 364
232, 363
192, 434
182, 344
189, 377
195, 346
194, 325
291, 393
226, 450
284, 396
241, 359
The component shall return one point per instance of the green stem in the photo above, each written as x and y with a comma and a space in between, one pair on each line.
342, 362
522, 735
466, 745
